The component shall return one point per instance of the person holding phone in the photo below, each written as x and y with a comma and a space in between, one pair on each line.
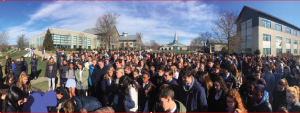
82, 75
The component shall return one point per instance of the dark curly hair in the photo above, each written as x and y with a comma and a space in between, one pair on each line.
126, 82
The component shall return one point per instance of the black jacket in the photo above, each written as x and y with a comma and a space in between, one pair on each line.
213, 103
278, 100
54, 71
157, 80
295, 107
18, 70
214, 75
97, 75
263, 107
33, 63
8, 65
231, 82
62, 71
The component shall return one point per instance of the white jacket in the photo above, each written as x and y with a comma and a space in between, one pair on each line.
131, 102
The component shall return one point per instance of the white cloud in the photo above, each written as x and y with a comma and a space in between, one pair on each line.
155, 19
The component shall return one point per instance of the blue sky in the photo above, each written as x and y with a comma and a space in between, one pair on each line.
157, 20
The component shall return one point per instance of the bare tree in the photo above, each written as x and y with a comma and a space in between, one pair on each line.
104, 26
139, 39
225, 27
154, 45
147, 45
127, 45
3, 40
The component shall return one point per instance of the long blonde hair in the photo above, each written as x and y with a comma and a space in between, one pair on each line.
69, 105
173, 69
294, 91
109, 69
123, 73
20, 82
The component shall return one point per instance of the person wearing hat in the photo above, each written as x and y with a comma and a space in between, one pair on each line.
107, 63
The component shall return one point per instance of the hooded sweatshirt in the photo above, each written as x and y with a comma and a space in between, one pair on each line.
39, 101
264, 105
289, 77
278, 75
25, 67
270, 83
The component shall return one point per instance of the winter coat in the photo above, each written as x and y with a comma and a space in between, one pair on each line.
1, 74
193, 98
54, 71
84, 79
69, 75
39, 101
295, 107
157, 80
264, 105
33, 63
231, 82
89, 103
278, 75
212, 102
270, 83
289, 78
13, 67
18, 70
214, 75
131, 99
98, 74
174, 85
25, 67
247, 100
142, 97
62, 71
8, 65
278, 99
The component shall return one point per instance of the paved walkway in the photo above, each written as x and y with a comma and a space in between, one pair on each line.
41, 79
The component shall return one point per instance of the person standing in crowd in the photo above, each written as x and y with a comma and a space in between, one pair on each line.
34, 64
1, 73
169, 103
278, 74
72, 61
43, 54
157, 80
18, 70
270, 81
230, 80
107, 63
82, 75
82, 59
14, 99
51, 55
279, 94
60, 61
217, 96
106, 84
62, 72
99, 71
24, 84
13, 66
51, 71
216, 71
234, 102
287, 75
25, 67
31, 52
292, 99
57, 55
261, 99
142, 84
71, 83
210, 65
8, 65
190, 87
10, 80
129, 88
205, 81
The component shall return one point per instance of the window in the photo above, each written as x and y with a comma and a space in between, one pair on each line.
278, 27
80, 42
134, 44
89, 41
295, 51
130, 43
266, 37
288, 41
266, 51
278, 51
243, 26
295, 32
84, 43
169, 48
266, 24
288, 50
249, 38
98, 43
212, 48
288, 30
249, 24
295, 42
75, 41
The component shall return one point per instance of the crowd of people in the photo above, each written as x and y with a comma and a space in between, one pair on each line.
133, 81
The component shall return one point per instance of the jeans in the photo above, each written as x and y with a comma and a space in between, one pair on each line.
53, 82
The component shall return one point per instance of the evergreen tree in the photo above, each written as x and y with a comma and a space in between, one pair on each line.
21, 41
48, 41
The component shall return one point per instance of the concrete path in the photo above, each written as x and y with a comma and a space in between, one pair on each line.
41, 79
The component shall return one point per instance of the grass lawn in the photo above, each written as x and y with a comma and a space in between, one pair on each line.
43, 86
41, 65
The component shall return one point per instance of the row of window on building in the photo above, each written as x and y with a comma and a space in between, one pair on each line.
267, 38
278, 27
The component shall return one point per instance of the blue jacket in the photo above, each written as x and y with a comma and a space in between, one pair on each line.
13, 67
39, 101
193, 98
89, 103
